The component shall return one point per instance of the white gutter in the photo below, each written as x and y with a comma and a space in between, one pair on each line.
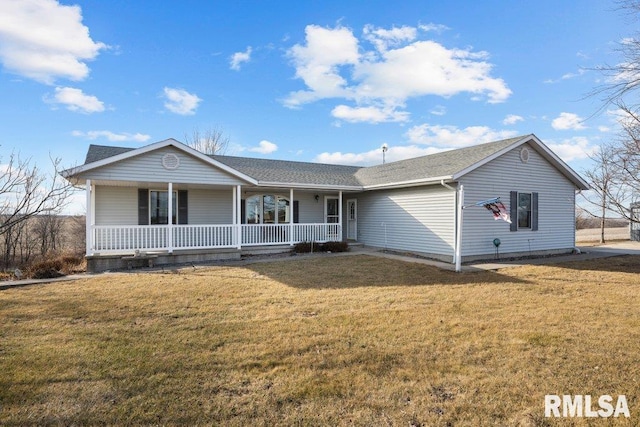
308, 186
413, 182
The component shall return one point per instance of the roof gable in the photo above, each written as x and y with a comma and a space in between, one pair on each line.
102, 156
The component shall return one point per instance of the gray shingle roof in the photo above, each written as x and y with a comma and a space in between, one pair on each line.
100, 152
446, 163
442, 164
283, 171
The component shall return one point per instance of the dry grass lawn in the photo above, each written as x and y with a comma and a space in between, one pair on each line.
354, 340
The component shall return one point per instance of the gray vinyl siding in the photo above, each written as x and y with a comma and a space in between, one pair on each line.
119, 206
556, 206
210, 206
310, 211
148, 167
116, 205
417, 219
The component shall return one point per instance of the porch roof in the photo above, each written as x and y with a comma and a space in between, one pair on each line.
447, 166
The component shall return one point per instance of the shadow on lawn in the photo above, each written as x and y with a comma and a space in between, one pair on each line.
612, 264
365, 271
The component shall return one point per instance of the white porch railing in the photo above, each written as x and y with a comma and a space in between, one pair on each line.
128, 238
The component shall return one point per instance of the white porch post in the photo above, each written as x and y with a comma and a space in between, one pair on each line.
459, 228
170, 219
340, 215
239, 216
234, 214
89, 218
291, 226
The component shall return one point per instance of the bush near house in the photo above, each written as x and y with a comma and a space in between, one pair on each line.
306, 247
54, 267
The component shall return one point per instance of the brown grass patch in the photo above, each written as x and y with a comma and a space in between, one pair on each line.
325, 341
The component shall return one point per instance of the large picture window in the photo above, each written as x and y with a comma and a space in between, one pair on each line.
159, 207
267, 209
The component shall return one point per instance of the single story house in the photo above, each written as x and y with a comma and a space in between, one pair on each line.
181, 205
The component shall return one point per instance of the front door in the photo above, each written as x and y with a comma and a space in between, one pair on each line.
352, 219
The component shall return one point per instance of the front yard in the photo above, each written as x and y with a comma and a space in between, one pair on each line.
325, 341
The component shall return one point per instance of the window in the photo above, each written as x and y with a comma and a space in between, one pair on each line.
332, 215
159, 207
524, 210
267, 209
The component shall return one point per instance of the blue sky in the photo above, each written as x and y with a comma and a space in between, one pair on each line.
326, 81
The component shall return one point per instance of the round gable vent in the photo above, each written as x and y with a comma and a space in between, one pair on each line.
170, 161
524, 154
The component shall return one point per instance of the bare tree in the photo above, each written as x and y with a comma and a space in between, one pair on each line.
623, 77
604, 179
47, 229
25, 192
77, 229
211, 141
616, 173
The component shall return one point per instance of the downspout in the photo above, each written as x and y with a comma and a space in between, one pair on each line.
457, 255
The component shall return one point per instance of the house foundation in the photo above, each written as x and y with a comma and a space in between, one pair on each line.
100, 263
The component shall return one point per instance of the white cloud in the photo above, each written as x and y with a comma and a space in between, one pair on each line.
180, 101
317, 63
451, 136
76, 100
567, 121
240, 57
368, 114
567, 76
438, 110
44, 40
436, 28
374, 157
112, 136
512, 119
333, 64
382, 38
264, 147
604, 128
573, 148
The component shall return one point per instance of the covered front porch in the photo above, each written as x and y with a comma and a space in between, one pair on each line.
126, 217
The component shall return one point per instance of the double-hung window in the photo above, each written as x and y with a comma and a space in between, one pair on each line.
331, 213
159, 207
524, 211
